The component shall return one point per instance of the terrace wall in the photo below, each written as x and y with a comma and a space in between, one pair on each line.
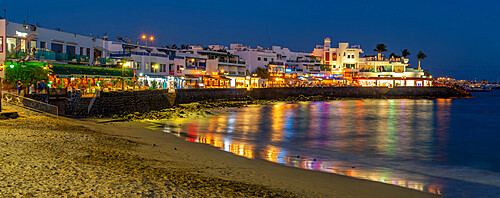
183, 96
109, 103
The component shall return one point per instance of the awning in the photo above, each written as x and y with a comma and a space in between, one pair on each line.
218, 77
68, 70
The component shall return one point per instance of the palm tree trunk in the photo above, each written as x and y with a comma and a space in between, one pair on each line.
418, 64
379, 56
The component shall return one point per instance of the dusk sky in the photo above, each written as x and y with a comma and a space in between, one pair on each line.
460, 38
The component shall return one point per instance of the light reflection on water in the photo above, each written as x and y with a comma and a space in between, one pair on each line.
378, 140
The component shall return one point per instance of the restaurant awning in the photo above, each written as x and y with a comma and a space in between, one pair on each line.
218, 77
63, 70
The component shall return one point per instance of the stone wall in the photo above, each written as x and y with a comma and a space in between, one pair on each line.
183, 96
108, 103
38, 97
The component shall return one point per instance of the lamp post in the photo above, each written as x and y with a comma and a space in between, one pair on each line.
151, 38
154, 68
143, 37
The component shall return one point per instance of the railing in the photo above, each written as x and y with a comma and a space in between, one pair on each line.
30, 103
15, 55
127, 54
303, 61
46, 55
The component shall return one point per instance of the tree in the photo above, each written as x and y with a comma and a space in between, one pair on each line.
393, 55
26, 73
174, 46
405, 53
380, 48
420, 56
261, 72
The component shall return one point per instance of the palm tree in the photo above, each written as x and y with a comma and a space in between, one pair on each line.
405, 53
393, 55
380, 48
420, 56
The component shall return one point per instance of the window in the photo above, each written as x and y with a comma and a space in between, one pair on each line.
32, 45
138, 66
348, 56
258, 58
350, 66
81, 50
178, 69
88, 52
147, 66
163, 68
344, 53
171, 68
70, 49
43, 45
265, 59
57, 48
352, 56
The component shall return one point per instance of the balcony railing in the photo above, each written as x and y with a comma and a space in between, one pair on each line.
130, 53
15, 55
48, 55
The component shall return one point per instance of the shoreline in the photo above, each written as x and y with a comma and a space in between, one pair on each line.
304, 182
83, 157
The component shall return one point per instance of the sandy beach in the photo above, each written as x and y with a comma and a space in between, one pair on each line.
43, 156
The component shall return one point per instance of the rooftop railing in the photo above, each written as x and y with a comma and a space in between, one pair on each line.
130, 53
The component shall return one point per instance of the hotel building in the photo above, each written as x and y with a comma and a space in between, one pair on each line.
348, 62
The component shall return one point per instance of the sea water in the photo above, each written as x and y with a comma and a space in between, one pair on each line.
444, 146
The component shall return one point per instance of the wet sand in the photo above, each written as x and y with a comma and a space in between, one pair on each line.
47, 157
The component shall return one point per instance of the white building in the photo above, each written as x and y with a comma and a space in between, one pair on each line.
18, 40
254, 58
151, 63
348, 62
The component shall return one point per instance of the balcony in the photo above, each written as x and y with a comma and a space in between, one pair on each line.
49, 55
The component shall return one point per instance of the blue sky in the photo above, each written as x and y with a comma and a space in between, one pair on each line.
459, 37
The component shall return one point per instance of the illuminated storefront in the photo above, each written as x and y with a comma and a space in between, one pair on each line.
392, 82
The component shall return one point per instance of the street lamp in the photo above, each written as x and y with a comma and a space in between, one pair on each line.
151, 38
143, 37
155, 66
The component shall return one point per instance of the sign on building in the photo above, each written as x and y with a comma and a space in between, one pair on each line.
1, 44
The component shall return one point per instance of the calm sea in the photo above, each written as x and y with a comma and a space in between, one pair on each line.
444, 146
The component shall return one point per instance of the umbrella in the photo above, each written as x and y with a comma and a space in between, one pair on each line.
28, 58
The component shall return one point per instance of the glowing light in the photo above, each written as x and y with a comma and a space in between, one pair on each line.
151, 38
143, 36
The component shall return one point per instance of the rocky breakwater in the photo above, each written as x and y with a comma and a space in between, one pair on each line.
357, 92
108, 103
427, 92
